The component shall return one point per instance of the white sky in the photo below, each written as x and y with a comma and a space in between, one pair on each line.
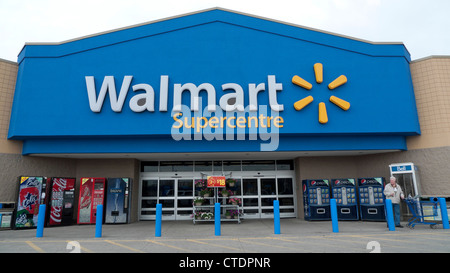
423, 26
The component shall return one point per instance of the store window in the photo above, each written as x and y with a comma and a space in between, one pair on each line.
285, 165
258, 165
149, 166
176, 166
217, 166
232, 165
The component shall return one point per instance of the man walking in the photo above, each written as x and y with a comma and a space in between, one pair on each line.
394, 192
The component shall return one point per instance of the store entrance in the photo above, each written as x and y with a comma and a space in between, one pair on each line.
258, 184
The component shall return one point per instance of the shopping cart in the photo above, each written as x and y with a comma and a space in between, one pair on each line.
416, 208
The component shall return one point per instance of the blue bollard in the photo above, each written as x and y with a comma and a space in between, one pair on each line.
217, 219
40, 222
334, 216
158, 220
444, 213
98, 221
390, 215
276, 216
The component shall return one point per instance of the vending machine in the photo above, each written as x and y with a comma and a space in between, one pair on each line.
117, 201
31, 194
60, 208
92, 191
344, 191
371, 198
316, 199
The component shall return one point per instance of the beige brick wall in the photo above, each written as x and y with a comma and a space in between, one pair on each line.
8, 75
431, 80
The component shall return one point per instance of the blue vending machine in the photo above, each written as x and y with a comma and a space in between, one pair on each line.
316, 199
344, 191
117, 202
371, 198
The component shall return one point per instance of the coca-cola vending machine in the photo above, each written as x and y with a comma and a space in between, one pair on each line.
31, 194
92, 191
61, 191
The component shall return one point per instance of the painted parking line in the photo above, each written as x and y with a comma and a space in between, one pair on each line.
366, 239
444, 238
85, 249
35, 247
271, 246
214, 245
316, 242
124, 246
167, 245
345, 244
326, 245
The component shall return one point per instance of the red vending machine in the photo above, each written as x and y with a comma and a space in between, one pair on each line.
92, 191
61, 199
31, 194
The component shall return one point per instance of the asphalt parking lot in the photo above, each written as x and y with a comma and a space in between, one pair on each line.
251, 236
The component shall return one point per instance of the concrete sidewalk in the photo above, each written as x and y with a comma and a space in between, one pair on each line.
251, 236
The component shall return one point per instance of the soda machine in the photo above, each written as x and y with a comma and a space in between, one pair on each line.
61, 192
92, 191
344, 191
371, 198
31, 194
117, 201
316, 199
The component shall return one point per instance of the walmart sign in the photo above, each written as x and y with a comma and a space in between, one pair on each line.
145, 88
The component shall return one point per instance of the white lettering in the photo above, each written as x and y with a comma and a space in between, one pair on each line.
229, 102
253, 95
238, 96
163, 93
148, 96
273, 88
246, 262
194, 91
109, 86
196, 263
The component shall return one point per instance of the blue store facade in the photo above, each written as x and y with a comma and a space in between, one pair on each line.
215, 92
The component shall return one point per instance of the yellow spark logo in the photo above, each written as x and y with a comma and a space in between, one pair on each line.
318, 71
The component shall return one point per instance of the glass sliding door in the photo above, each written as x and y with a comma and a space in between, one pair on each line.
184, 199
175, 195
167, 198
259, 193
285, 194
268, 195
250, 198
149, 198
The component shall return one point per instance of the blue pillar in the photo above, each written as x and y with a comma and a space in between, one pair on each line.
390, 215
158, 220
98, 221
276, 216
217, 219
444, 213
334, 216
41, 221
